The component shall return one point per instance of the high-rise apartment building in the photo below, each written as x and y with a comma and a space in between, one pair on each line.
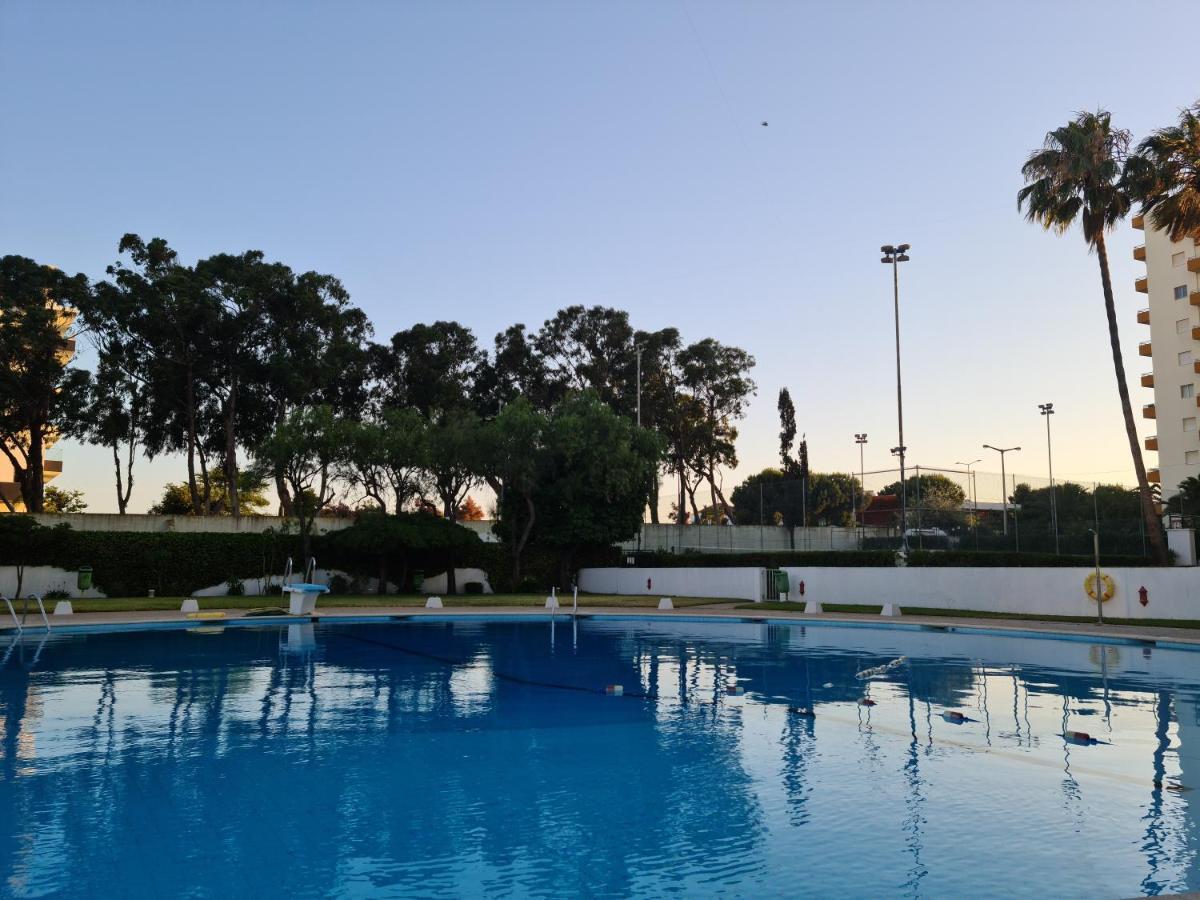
1172, 283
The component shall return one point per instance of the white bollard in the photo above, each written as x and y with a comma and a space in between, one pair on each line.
64, 608
813, 606
433, 603
890, 609
191, 604
665, 603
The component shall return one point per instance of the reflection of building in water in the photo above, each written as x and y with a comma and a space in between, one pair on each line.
1187, 717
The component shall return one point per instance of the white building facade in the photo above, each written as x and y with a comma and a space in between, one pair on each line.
1172, 284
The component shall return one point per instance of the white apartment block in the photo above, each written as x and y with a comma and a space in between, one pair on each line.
1172, 283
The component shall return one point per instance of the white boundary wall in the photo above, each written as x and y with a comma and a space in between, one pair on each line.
738, 583
1174, 593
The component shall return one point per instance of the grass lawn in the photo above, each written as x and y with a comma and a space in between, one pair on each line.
143, 604
975, 614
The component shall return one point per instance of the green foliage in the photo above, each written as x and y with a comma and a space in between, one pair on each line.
593, 485
40, 395
830, 499
62, 501
251, 495
1164, 174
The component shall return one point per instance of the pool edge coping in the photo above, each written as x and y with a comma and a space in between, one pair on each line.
1157, 636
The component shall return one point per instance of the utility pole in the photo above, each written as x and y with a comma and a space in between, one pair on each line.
1003, 480
1047, 411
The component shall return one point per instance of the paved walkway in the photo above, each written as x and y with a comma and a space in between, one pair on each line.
730, 609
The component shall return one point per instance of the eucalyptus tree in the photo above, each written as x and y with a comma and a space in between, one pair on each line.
154, 306
718, 376
118, 414
1076, 177
511, 453
659, 387
316, 352
385, 458
590, 348
432, 368
1164, 175
306, 448
40, 394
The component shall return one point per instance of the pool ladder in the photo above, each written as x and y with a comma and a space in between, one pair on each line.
12, 612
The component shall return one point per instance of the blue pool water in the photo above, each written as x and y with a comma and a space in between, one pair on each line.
483, 757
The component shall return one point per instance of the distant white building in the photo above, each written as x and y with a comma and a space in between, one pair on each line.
1172, 284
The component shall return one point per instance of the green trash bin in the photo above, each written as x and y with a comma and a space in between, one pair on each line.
782, 585
83, 580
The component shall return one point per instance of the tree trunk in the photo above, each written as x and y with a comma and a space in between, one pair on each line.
1158, 545
654, 497
120, 487
33, 487
193, 492
231, 470
286, 508
519, 543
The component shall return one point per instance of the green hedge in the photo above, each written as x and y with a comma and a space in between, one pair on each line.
130, 564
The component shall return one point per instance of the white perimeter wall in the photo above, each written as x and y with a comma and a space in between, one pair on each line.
736, 583
1174, 592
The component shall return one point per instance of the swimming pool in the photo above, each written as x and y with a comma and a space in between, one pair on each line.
476, 756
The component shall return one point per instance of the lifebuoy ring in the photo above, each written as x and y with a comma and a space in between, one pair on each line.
1110, 587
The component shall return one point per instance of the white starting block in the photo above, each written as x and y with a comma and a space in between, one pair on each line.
813, 606
190, 605
64, 608
890, 609
552, 600
665, 603
433, 603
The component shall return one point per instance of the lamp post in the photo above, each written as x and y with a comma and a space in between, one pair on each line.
861, 440
1003, 479
1047, 411
894, 256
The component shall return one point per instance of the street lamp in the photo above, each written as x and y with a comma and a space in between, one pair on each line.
894, 256
861, 440
1003, 479
1047, 411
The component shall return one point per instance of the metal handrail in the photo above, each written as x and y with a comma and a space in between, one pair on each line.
13, 612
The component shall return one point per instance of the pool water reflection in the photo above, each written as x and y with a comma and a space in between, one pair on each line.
467, 757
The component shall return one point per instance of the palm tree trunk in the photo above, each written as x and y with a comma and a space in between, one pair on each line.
1158, 546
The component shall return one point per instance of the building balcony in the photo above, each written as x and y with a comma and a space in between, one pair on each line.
1144, 348
1148, 378
1194, 298
1143, 316
1194, 264
1141, 285
1139, 252
1139, 222
1153, 477
1196, 332
1152, 442
1148, 411
51, 467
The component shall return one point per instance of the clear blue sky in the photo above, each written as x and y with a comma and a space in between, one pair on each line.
492, 162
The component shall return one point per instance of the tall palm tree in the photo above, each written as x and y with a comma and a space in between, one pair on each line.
1164, 176
1076, 176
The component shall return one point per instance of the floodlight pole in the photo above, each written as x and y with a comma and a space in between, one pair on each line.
861, 440
894, 255
1047, 411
